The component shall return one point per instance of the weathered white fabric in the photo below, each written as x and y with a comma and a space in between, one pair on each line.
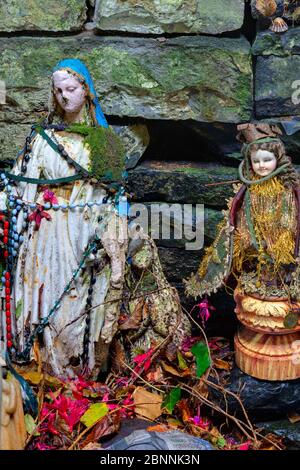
50, 255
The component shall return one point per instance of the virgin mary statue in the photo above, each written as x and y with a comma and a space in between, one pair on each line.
64, 234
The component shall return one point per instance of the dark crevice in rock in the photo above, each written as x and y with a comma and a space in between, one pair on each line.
229, 34
192, 141
249, 30
41, 34
188, 140
90, 10
249, 25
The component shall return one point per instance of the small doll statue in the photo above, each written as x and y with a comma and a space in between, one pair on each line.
258, 244
65, 238
12, 424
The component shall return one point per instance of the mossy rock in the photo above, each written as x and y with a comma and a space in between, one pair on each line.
178, 78
170, 16
38, 15
277, 74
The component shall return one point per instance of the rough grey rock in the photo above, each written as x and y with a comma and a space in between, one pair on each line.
201, 78
134, 137
38, 15
136, 140
177, 225
262, 399
284, 428
186, 182
170, 16
277, 86
12, 139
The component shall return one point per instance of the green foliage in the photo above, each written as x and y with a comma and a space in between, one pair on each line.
172, 399
95, 412
201, 353
107, 153
19, 309
181, 362
30, 425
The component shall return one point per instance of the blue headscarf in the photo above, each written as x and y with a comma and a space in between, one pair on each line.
78, 67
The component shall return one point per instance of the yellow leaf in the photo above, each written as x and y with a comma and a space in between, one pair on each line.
32, 376
147, 404
30, 425
95, 412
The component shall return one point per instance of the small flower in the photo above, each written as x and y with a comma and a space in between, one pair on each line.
38, 215
204, 310
49, 196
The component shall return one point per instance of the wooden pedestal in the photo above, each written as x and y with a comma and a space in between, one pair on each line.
268, 357
264, 348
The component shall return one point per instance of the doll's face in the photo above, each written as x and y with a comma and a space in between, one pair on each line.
68, 91
263, 162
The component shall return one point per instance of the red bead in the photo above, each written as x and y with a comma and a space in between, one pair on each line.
9, 344
7, 306
7, 283
5, 232
8, 336
6, 224
5, 240
8, 328
7, 275
1, 217
8, 321
7, 298
5, 254
7, 290
8, 313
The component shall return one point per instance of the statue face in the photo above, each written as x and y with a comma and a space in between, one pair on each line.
68, 91
263, 162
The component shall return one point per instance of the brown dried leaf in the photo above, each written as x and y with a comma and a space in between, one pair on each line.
118, 357
266, 7
155, 376
158, 428
53, 381
174, 423
92, 446
147, 404
134, 320
171, 370
220, 364
109, 424
267, 445
294, 418
185, 410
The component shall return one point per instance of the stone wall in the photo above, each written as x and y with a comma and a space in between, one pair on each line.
186, 71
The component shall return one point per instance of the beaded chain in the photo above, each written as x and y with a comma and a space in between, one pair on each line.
12, 239
25, 354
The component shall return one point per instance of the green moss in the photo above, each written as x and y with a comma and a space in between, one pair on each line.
148, 282
121, 67
53, 15
107, 154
